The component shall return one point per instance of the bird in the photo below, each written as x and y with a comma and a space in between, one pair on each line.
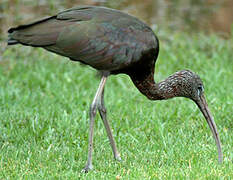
112, 42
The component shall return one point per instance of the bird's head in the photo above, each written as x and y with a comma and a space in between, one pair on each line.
187, 84
183, 83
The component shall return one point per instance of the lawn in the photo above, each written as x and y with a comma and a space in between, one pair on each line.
44, 104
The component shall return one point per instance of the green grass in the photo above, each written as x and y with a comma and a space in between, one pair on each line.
44, 103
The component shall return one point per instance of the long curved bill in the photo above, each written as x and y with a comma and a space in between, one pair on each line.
202, 104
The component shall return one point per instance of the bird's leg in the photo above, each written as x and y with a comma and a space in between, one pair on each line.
93, 107
102, 111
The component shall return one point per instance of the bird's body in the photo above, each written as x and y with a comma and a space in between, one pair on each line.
111, 42
106, 39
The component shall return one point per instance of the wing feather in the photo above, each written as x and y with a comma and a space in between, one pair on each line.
100, 37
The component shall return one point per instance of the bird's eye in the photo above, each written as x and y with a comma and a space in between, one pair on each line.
200, 89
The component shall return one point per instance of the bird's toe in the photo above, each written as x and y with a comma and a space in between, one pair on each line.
87, 168
118, 158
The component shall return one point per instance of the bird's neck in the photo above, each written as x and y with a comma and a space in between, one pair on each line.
165, 89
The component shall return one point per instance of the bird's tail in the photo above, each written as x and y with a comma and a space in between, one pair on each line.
40, 33
11, 40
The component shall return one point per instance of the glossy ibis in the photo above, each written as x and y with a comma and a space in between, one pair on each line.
112, 42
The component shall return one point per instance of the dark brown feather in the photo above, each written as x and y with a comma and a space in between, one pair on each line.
103, 38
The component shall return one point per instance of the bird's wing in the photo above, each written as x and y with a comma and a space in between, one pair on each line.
45, 31
108, 40
100, 37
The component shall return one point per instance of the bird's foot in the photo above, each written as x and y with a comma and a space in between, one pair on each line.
87, 168
118, 157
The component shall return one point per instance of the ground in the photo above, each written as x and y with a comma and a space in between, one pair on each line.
44, 102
